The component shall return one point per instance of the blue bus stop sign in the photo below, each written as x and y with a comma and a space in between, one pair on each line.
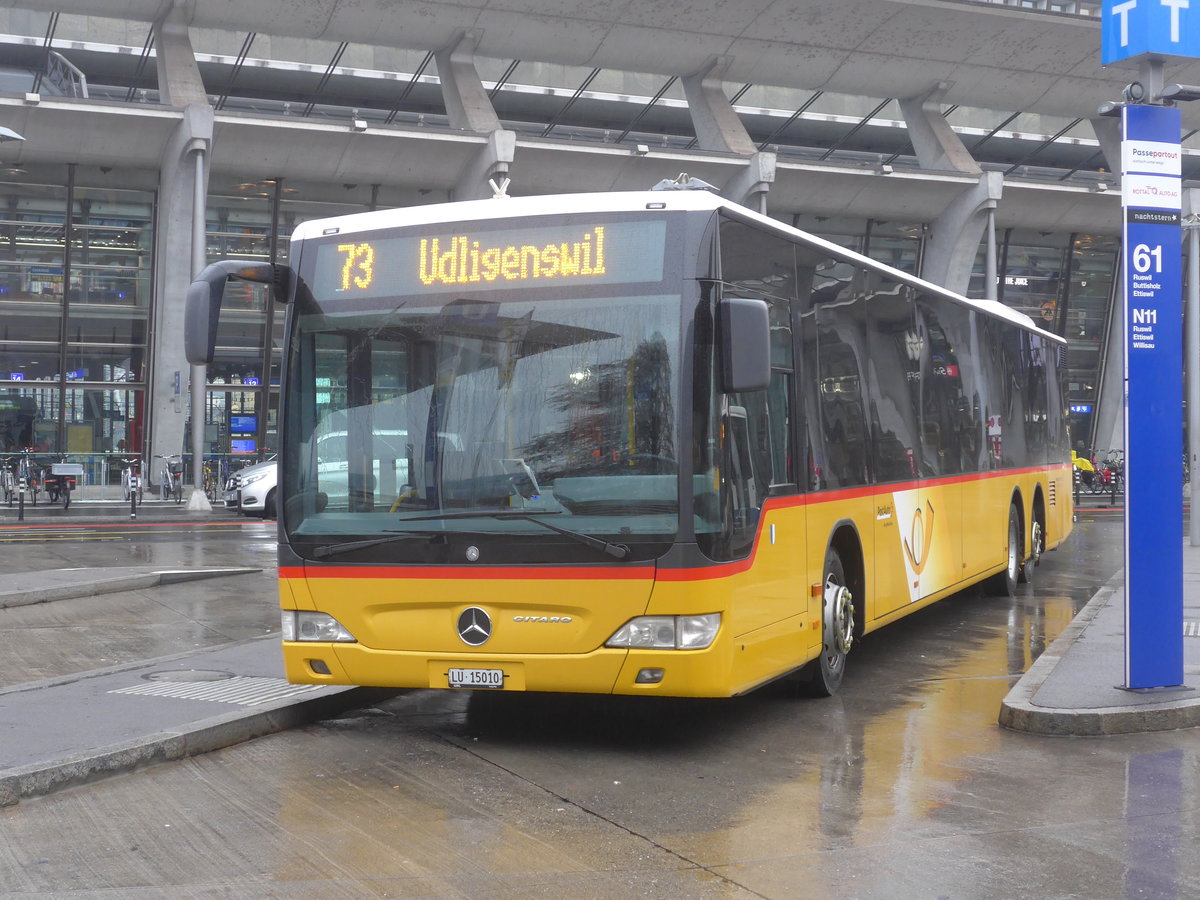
1133, 28
1151, 190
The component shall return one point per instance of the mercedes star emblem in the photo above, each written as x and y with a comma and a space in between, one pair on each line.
474, 626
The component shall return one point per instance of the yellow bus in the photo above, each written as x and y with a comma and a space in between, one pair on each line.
635, 443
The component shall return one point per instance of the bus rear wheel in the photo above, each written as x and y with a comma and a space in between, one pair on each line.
837, 630
1004, 583
1037, 545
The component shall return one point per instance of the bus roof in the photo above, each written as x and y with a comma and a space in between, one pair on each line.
629, 201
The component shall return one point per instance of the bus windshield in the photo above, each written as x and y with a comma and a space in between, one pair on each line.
453, 420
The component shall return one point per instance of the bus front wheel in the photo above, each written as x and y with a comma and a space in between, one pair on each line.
837, 630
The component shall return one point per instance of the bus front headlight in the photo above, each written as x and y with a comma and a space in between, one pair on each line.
667, 632
313, 626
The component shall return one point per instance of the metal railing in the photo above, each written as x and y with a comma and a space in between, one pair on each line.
101, 479
67, 77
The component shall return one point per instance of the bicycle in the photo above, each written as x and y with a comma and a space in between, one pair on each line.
60, 479
8, 480
28, 475
131, 479
212, 480
1113, 470
172, 477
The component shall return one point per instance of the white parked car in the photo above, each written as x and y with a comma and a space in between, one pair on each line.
251, 491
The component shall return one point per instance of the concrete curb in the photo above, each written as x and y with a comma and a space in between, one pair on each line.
1020, 712
127, 581
200, 737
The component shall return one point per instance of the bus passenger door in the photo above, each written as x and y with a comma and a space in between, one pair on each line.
746, 483
764, 523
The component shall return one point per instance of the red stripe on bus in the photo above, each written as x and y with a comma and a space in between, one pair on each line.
471, 573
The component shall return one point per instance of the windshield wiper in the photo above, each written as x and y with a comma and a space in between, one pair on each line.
346, 546
617, 551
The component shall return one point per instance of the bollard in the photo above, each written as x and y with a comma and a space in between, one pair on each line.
21, 504
132, 500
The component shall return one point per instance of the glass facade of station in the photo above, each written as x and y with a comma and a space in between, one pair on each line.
76, 322
253, 221
75, 283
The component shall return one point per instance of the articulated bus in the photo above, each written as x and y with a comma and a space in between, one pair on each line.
635, 443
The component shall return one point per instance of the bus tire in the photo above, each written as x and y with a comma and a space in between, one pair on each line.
1037, 545
837, 630
1004, 582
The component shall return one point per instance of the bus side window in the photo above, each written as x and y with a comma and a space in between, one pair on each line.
843, 429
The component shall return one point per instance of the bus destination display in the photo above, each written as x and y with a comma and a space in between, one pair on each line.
610, 253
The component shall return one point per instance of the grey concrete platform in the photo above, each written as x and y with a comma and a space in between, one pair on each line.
1074, 687
25, 588
77, 728
72, 730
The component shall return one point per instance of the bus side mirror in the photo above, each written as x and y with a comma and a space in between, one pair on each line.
745, 344
203, 307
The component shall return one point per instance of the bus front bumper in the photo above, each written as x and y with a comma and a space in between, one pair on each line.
674, 673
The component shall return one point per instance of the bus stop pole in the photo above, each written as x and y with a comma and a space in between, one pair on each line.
1192, 361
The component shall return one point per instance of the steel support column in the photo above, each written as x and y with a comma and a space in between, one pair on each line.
954, 235
934, 142
467, 104
717, 125
718, 128
180, 235
469, 108
490, 163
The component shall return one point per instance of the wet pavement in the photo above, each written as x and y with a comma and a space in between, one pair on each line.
84, 721
1077, 686
903, 785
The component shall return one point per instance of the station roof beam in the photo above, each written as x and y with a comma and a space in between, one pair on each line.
237, 68
650, 104
855, 129
333, 64
579, 91
1048, 142
408, 88
770, 139
140, 68
51, 27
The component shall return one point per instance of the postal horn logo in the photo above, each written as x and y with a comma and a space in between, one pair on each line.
920, 540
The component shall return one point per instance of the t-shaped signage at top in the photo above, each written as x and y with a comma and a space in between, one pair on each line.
1132, 28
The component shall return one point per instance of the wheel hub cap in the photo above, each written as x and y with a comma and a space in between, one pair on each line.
839, 617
